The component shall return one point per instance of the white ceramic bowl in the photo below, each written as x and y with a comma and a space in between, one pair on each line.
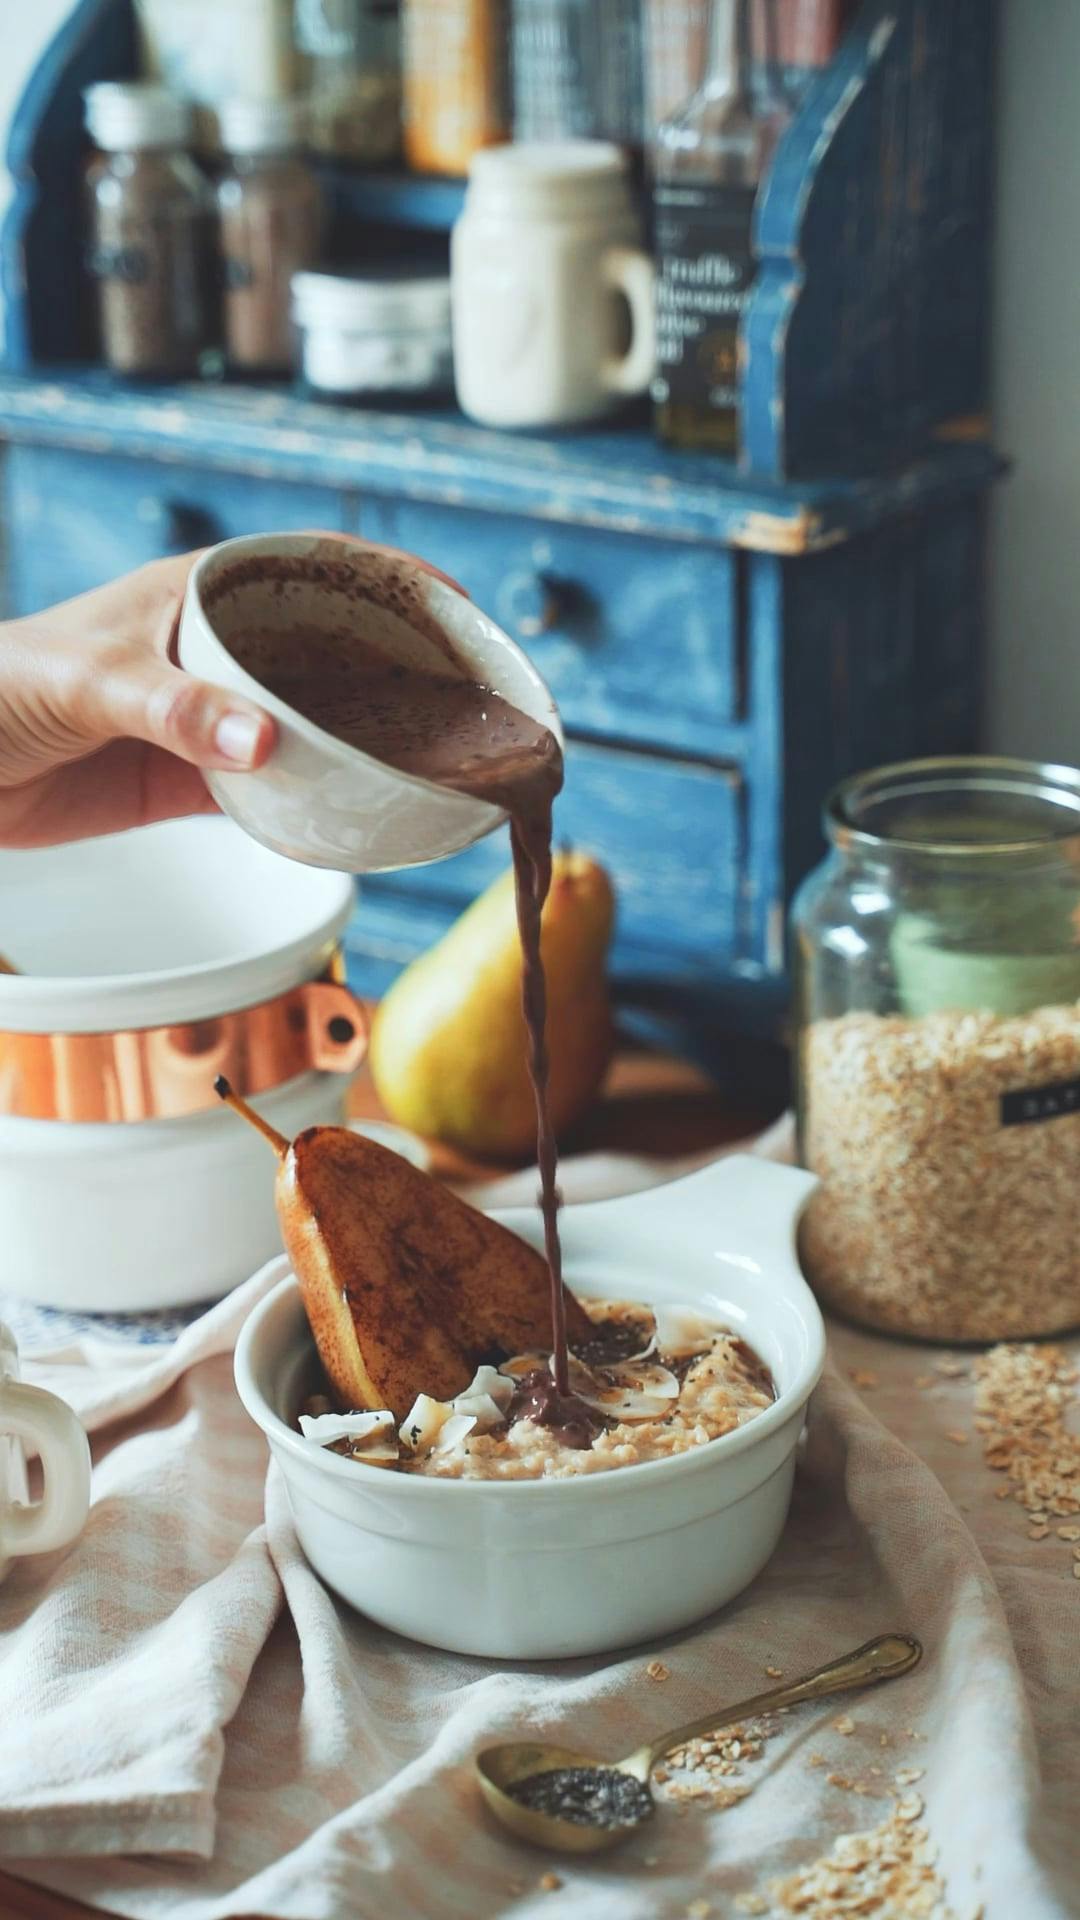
531, 1570
316, 799
174, 923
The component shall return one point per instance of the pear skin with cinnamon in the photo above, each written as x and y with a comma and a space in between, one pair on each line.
407, 1288
448, 1052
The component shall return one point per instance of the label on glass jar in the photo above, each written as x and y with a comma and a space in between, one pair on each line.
704, 268
1040, 1103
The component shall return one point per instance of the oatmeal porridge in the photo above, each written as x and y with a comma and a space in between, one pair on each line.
651, 1383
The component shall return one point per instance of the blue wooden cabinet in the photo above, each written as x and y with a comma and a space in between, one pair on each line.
723, 644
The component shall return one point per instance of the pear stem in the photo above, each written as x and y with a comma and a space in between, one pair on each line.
277, 1140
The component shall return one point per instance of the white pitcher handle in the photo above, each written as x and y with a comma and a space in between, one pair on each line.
48, 1427
628, 271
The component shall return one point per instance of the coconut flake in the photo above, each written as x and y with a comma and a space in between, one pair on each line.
487, 1396
682, 1330
453, 1432
423, 1423
325, 1428
521, 1364
628, 1390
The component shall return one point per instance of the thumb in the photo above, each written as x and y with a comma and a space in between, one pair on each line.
206, 725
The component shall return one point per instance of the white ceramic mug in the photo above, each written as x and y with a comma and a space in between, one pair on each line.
546, 260
30, 1417
316, 799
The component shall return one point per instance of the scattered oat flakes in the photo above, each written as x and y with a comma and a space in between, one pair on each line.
775, 1673
910, 1807
698, 1910
839, 1780
1023, 1397
863, 1377
958, 1438
845, 1724
702, 1770
1076, 1569
817, 1759
950, 1366
883, 1740
656, 1670
907, 1776
1068, 1533
887, 1871
549, 1883
751, 1903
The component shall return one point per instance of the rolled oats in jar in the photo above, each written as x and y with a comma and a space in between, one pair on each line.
937, 961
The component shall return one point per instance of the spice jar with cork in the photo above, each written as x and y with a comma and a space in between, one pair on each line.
151, 231
937, 963
269, 212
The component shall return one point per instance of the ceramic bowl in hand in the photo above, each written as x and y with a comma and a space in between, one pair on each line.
318, 799
541, 1569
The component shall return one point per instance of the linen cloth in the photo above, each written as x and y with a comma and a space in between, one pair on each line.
194, 1729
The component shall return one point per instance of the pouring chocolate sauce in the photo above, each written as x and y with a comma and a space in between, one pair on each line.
454, 731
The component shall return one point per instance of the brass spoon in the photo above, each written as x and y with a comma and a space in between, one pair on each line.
498, 1768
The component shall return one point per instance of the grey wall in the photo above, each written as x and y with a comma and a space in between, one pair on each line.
1034, 689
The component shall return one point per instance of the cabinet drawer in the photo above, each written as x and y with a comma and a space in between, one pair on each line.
636, 637
670, 834
76, 520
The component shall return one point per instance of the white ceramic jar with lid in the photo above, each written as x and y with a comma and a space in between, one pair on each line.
378, 333
149, 962
552, 288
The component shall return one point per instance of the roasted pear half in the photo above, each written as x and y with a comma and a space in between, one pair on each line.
407, 1288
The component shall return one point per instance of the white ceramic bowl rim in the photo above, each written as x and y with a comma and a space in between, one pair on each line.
445, 602
580, 1486
241, 975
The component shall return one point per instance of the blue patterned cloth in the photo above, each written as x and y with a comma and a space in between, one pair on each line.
38, 1329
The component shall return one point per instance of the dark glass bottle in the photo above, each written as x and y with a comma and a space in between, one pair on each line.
709, 159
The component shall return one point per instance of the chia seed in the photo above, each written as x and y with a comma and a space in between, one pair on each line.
587, 1796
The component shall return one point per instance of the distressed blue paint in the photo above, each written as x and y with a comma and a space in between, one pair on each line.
869, 321
75, 520
607, 478
640, 639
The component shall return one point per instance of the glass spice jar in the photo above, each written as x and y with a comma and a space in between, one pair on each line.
353, 54
151, 231
269, 212
937, 971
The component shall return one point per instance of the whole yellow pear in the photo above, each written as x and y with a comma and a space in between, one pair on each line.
448, 1054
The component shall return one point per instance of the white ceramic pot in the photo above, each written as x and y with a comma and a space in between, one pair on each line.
32, 1419
157, 943
533, 1570
547, 261
316, 799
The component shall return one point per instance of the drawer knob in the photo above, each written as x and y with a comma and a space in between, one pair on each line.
529, 604
178, 526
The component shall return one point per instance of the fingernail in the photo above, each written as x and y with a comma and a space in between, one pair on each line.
236, 737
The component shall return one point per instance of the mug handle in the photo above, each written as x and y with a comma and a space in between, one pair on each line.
48, 1426
628, 271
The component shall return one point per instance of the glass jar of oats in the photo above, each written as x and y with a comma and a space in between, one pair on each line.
937, 973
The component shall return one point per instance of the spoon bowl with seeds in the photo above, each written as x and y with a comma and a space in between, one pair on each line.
569, 1802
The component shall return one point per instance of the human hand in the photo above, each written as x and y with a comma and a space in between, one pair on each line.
99, 731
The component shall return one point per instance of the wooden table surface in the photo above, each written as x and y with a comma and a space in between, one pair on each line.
649, 1105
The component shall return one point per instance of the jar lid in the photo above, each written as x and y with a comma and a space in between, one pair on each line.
135, 113
537, 162
538, 177
262, 125
395, 297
